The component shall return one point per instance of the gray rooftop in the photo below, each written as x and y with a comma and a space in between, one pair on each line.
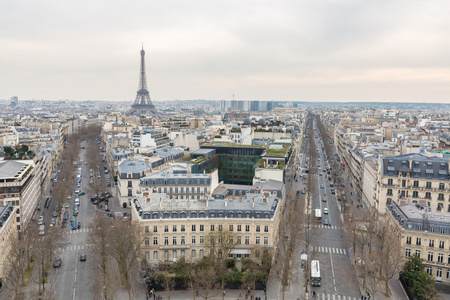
10, 168
133, 166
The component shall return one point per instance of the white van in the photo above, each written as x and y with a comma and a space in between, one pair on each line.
41, 229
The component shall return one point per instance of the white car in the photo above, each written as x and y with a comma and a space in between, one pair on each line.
325, 210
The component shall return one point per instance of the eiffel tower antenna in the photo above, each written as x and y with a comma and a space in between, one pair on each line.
142, 103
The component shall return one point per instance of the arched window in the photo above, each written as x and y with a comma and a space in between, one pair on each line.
183, 215
155, 255
155, 215
174, 215
201, 253
193, 214
193, 253
201, 214
166, 255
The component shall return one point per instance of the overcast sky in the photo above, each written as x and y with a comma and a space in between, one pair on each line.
342, 50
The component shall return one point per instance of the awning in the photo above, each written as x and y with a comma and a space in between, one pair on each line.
240, 251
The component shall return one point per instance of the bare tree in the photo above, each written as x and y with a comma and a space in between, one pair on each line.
205, 279
17, 264
220, 244
125, 241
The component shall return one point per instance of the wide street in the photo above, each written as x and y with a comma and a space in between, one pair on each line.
71, 280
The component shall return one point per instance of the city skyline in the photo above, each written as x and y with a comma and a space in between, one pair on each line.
346, 51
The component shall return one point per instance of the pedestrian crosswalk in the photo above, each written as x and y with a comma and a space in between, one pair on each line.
331, 250
81, 230
321, 296
328, 227
73, 248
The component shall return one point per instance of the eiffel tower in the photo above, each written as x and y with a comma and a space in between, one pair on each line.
142, 104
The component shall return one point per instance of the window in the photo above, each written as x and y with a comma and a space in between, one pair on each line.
193, 253
230, 240
166, 255
416, 184
147, 242
147, 255
238, 240
182, 253
147, 229
415, 194
257, 254
440, 258
230, 227
201, 253
418, 241
247, 228
429, 270
166, 240
212, 228
389, 192
166, 228
183, 228
174, 228
441, 186
428, 185
266, 240
258, 228
258, 239
155, 240
155, 255
202, 239
431, 244
408, 252
193, 240
239, 228
441, 244
439, 273
220, 228
430, 256
202, 227
174, 240
174, 255
247, 240
418, 253
390, 181
130, 183
130, 192
408, 240
183, 240
441, 196
193, 228
448, 259
428, 195
403, 183
266, 228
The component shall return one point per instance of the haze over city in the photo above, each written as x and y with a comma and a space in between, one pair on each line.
291, 50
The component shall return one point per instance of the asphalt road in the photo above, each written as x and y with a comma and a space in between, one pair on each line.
71, 280
338, 276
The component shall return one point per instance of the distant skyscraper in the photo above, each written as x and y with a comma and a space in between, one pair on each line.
143, 104
14, 101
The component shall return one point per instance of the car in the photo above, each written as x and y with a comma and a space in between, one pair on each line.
82, 257
41, 218
324, 199
67, 205
64, 224
321, 186
57, 262
47, 203
40, 222
325, 222
55, 214
320, 174
303, 192
53, 222
325, 210
75, 213
81, 194
77, 191
331, 184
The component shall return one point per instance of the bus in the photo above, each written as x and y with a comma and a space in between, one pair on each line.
318, 214
315, 273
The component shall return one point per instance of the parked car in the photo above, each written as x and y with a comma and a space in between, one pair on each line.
82, 257
55, 214
57, 262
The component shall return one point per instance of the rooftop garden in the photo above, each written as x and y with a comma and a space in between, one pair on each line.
277, 152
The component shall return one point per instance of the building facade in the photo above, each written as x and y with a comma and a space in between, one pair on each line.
174, 228
414, 178
8, 233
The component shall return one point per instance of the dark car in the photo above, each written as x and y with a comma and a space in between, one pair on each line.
325, 222
82, 257
57, 262
324, 199
47, 203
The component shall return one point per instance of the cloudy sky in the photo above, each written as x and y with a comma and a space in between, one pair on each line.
337, 50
